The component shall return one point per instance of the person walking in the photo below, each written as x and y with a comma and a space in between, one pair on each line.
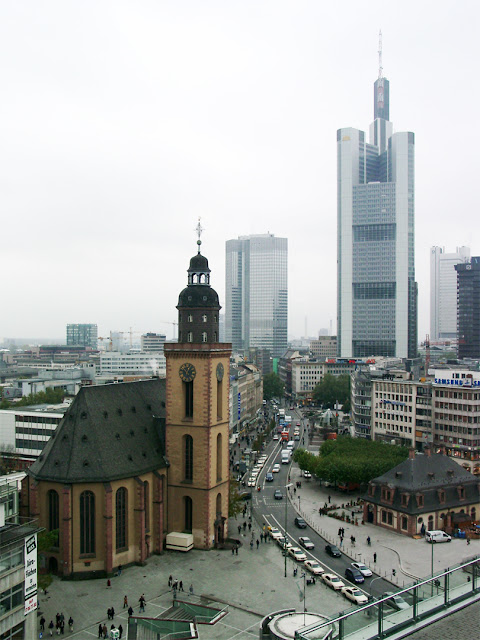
251, 545
190, 589
120, 630
170, 580
105, 631
258, 543
236, 549
125, 602
50, 627
70, 623
239, 529
130, 612
142, 600
42, 624
180, 586
374, 558
100, 630
369, 542
109, 584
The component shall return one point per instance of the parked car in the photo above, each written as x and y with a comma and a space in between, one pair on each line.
306, 543
297, 554
354, 575
437, 536
245, 495
269, 476
333, 581
355, 595
284, 543
300, 523
395, 601
307, 474
333, 551
275, 533
278, 495
314, 567
364, 570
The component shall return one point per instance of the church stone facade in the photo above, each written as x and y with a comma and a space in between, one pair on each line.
132, 462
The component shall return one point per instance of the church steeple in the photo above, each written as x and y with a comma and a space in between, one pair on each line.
198, 305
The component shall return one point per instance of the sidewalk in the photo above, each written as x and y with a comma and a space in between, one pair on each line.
411, 559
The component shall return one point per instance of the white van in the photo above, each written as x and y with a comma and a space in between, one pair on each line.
285, 456
290, 445
437, 536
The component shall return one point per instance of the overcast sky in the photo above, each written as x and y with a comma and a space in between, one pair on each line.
122, 122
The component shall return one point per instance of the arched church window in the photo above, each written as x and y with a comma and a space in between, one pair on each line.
219, 504
53, 513
188, 448
188, 510
87, 522
219, 456
121, 518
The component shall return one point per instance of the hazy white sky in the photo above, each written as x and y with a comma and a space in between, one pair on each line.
122, 122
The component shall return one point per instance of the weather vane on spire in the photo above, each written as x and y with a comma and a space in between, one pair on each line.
380, 68
199, 229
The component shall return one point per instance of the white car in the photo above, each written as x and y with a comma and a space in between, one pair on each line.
275, 533
251, 482
355, 595
333, 581
306, 543
307, 474
314, 567
282, 544
364, 570
276, 468
297, 554
276, 437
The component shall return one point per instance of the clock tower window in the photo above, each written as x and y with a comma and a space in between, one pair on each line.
188, 446
188, 397
188, 513
219, 399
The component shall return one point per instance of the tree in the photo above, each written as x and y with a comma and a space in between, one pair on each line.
235, 502
273, 387
332, 389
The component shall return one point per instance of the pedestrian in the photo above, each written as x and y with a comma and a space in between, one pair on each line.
109, 584
170, 580
251, 545
468, 539
112, 611
130, 612
329, 499
374, 558
180, 586
42, 624
108, 613
50, 628
120, 630
141, 600
120, 569
105, 630
190, 589
62, 627
236, 549
244, 526
239, 529
249, 526
341, 541
258, 543
295, 572
100, 630
339, 532
352, 540
70, 623
369, 542
125, 602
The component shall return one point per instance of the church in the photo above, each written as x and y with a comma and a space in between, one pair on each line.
131, 462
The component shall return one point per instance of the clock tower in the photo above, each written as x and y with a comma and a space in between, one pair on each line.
197, 419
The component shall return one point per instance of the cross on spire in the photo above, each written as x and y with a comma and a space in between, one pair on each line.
199, 229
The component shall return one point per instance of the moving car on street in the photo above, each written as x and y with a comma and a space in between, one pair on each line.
396, 602
354, 575
269, 476
333, 551
355, 595
333, 581
364, 570
276, 468
306, 543
278, 495
300, 523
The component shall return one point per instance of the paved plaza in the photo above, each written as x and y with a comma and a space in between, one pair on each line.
252, 583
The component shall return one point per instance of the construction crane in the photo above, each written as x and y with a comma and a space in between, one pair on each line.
427, 353
174, 324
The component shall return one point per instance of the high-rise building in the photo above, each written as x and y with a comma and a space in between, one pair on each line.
152, 342
443, 291
257, 293
377, 292
85, 335
468, 309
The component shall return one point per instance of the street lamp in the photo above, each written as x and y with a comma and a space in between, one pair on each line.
287, 487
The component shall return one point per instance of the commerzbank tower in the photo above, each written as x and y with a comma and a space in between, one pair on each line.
377, 292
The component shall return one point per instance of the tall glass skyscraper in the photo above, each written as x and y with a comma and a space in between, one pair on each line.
257, 293
377, 292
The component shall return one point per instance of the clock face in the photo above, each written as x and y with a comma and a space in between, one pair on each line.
187, 372
220, 371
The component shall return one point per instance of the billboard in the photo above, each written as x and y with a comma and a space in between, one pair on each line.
30, 574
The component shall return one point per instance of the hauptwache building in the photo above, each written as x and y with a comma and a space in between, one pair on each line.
132, 462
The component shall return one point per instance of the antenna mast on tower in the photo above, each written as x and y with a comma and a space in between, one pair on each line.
380, 68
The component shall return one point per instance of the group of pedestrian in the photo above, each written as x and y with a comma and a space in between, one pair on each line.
103, 631
59, 624
235, 550
110, 613
352, 540
174, 584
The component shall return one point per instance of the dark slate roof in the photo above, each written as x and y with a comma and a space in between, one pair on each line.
198, 295
426, 475
199, 263
109, 432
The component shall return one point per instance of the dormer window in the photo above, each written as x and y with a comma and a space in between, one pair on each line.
189, 336
190, 318
204, 336
204, 317
419, 497
461, 493
441, 496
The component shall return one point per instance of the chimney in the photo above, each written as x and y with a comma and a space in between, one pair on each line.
411, 453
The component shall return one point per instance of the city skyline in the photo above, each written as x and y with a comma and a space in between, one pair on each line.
114, 148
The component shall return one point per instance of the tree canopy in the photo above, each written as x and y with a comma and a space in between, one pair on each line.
332, 389
49, 396
273, 387
353, 460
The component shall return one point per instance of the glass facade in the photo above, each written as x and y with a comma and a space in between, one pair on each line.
377, 292
84, 335
257, 293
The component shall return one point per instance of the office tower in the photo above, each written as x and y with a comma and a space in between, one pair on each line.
468, 309
84, 335
443, 291
257, 293
377, 292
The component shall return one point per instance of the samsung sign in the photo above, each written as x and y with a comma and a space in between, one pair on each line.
465, 379
456, 382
